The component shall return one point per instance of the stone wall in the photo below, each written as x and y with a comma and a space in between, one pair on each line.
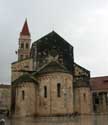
52, 104
82, 100
16, 68
5, 97
26, 99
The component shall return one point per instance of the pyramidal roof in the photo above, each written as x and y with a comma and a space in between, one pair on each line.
52, 67
25, 29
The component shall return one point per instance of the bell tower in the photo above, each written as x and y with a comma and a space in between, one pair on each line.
24, 42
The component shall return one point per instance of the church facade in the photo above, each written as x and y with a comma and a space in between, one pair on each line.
45, 79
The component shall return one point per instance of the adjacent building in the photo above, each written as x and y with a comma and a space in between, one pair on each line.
5, 97
99, 91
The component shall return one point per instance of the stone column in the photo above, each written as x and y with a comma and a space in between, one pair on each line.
104, 102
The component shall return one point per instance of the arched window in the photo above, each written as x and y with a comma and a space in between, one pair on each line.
23, 95
84, 95
45, 91
58, 89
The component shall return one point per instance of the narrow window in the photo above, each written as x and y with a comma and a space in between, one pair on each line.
22, 45
23, 95
58, 90
84, 95
45, 91
27, 46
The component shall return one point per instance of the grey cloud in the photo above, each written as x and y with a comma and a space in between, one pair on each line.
83, 23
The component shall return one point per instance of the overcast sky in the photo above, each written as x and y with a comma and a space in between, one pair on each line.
83, 23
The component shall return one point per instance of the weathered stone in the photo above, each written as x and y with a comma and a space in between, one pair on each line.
49, 82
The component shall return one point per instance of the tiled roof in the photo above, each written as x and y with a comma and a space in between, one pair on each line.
25, 78
83, 70
25, 29
99, 83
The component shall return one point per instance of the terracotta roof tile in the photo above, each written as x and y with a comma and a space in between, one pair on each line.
25, 29
99, 83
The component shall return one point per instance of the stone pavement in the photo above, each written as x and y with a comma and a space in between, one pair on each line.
81, 120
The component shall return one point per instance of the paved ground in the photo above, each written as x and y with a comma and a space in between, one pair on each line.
82, 120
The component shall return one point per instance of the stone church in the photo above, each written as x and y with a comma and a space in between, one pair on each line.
45, 79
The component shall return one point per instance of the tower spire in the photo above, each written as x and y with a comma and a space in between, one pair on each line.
24, 42
25, 29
